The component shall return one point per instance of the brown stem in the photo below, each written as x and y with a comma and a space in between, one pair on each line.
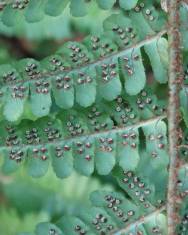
175, 80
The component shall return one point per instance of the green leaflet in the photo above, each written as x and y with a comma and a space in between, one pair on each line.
10, 166
121, 111
11, 16
85, 86
109, 80
182, 189
127, 150
46, 228
62, 160
182, 180
127, 5
54, 63
62, 84
156, 185
156, 221
55, 7
105, 200
78, 8
37, 161
148, 191
35, 10
105, 153
100, 45
183, 150
184, 103
121, 30
158, 55
84, 153
183, 27
156, 143
137, 187
38, 154
97, 118
75, 53
147, 104
133, 72
184, 91
63, 91
40, 90
90, 216
106, 4
147, 19
15, 102
15, 96
40, 99
71, 225
182, 227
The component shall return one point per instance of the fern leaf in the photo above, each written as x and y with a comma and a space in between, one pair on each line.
115, 213
56, 7
11, 16
103, 200
25, 84
127, 5
78, 8
76, 139
156, 143
133, 72
82, 72
147, 19
35, 10
157, 53
111, 212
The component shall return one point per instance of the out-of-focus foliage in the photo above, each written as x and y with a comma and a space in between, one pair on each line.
59, 27
28, 200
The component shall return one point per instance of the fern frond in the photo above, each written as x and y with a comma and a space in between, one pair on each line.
83, 72
84, 138
139, 210
111, 213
